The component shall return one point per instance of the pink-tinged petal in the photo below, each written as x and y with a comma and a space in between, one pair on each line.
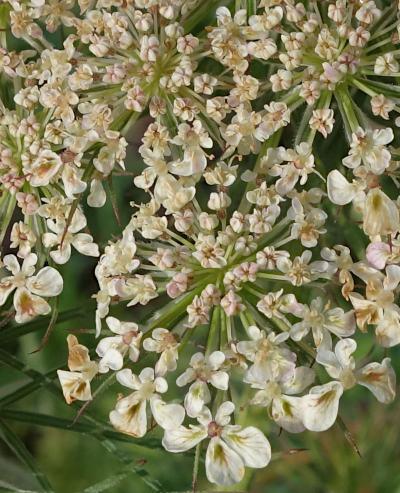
28, 306
380, 379
6, 287
377, 254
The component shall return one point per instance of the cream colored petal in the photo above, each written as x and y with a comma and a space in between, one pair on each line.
48, 282
380, 379
28, 306
180, 439
251, 445
129, 416
320, 406
223, 465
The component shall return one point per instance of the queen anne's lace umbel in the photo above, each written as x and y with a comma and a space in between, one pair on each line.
236, 244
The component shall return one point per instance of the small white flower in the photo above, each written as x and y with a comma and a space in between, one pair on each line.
113, 349
129, 415
230, 449
203, 370
30, 289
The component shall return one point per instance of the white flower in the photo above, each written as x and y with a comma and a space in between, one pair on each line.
129, 415
322, 320
164, 342
113, 349
284, 409
69, 235
203, 370
76, 382
230, 449
379, 378
367, 146
30, 289
271, 361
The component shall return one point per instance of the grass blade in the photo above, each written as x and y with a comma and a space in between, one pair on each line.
19, 449
108, 483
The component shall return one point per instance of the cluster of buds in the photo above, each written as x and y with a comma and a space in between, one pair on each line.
239, 244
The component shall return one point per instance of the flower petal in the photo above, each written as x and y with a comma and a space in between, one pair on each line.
320, 406
380, 379
48, 282
180, 439
251, 444
223, 465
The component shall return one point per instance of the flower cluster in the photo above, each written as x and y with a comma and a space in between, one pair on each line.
240, 248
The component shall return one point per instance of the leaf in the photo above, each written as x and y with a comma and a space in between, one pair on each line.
19, 449
10, 333
99, 430
108, 483
7, 488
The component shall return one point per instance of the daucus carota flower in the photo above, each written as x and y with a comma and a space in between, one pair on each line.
261, 235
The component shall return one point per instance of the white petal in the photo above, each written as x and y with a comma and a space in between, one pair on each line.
128, 379
223, 466
114, 325
340, 191
195, 399
320, 406
168, 416
287, 413
216, 359
84, 244
61, 256
224, 412
11, 263
112, 360
343, 350
28, 305
74, 387
220, 380
160, 385
129, 416
181, 438
6, 286
380, 379
48, 282
97, 196
303, 377
186, 377
251, 445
